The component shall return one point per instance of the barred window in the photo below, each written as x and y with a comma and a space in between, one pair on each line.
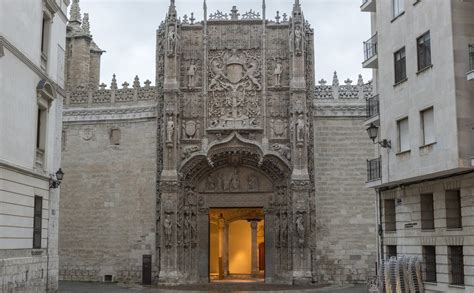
456, 265
390, 215
423, 45
453, 209
37, 221
400, 65
429, 257
427, 212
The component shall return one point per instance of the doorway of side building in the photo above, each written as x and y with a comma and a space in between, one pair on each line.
236, 245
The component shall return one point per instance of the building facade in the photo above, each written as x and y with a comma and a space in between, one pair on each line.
420, 53
32, 44
233, 139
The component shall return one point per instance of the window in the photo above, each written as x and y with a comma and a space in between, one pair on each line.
427, 126
115, 136
427, 212
37, 221
391, 251
456, 265
429, 257
403, 135
400, 65
45, 35
453, 209
390, 215
41, 129
423, 46
398, 7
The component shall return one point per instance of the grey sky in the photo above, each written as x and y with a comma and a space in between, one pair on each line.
126, 30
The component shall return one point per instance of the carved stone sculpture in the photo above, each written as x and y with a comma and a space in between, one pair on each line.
277, 74
191, 75
300, 229
169, 130
300, 129
168, 230
172, 41
298, 40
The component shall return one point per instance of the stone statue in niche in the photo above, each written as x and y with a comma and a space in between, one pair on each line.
234, 181
298, 40
300, 129
169, 129
253, 184
277, 74
192, 75
168, 230
172, 40
300, 229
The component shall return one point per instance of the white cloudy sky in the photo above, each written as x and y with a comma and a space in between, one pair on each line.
126, 30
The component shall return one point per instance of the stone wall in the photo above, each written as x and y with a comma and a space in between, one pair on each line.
345, 209
108, 203
23, 274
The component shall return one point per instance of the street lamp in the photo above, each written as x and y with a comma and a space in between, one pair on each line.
373, 132
55, 182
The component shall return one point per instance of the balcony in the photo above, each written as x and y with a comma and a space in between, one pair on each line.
470, 73
373, 107
374, 169
368, 6
370, 53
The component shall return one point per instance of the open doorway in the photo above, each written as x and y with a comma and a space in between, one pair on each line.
236, 245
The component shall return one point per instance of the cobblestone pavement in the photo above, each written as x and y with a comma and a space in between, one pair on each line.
83, 287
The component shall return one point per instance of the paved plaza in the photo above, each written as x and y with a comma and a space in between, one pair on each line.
88, 287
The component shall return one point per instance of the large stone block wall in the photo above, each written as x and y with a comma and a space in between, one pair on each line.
108, 200
24, 274
345, 209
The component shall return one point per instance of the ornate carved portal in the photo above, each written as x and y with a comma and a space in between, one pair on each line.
235, 132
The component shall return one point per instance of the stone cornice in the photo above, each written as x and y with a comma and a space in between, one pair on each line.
23, 58
22, 170
101, 114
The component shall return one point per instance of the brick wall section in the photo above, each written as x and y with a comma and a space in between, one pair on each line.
345, 207
107, 219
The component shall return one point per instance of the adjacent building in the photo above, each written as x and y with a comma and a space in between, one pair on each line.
32, 51
234, 164
423, 109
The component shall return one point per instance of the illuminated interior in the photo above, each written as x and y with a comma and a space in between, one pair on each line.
236, 241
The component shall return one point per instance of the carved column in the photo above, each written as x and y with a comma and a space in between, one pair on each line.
221, 247
225, 256
254, 226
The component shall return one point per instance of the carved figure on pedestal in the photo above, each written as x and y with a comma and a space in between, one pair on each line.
300, 229
172, 40
169, 130
300, 129
298, 40
168, 230
277, 74
191, 75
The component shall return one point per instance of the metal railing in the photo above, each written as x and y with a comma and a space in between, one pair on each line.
471, 57
373, 106
374, 169
370, 47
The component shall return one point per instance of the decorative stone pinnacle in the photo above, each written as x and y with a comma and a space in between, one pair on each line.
113, 85
322, 82
86, 27
147, 83
192, 19
360, 81
348, 81
234, 15
102, 86
335, 80
75, 12
285, 17
125, 85
277, 17
185, 19
136, 82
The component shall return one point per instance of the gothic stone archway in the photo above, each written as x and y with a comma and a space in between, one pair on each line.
234, 173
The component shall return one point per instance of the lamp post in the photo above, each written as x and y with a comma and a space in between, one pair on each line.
55, 179
373, 132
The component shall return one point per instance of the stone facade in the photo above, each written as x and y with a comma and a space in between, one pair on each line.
32, 42
234, 121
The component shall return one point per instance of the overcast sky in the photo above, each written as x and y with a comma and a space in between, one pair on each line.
126, 30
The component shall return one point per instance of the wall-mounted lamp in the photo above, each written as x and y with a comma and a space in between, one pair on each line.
55, 179
373, 132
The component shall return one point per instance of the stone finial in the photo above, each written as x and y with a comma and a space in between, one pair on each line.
192, 19
335, 79
360, 81
136, 82
285, 17
86, 27
75, 12
125, 85
348, 81
113, 85
322, 82
277, 17
102, 86
234, 13
147, 83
